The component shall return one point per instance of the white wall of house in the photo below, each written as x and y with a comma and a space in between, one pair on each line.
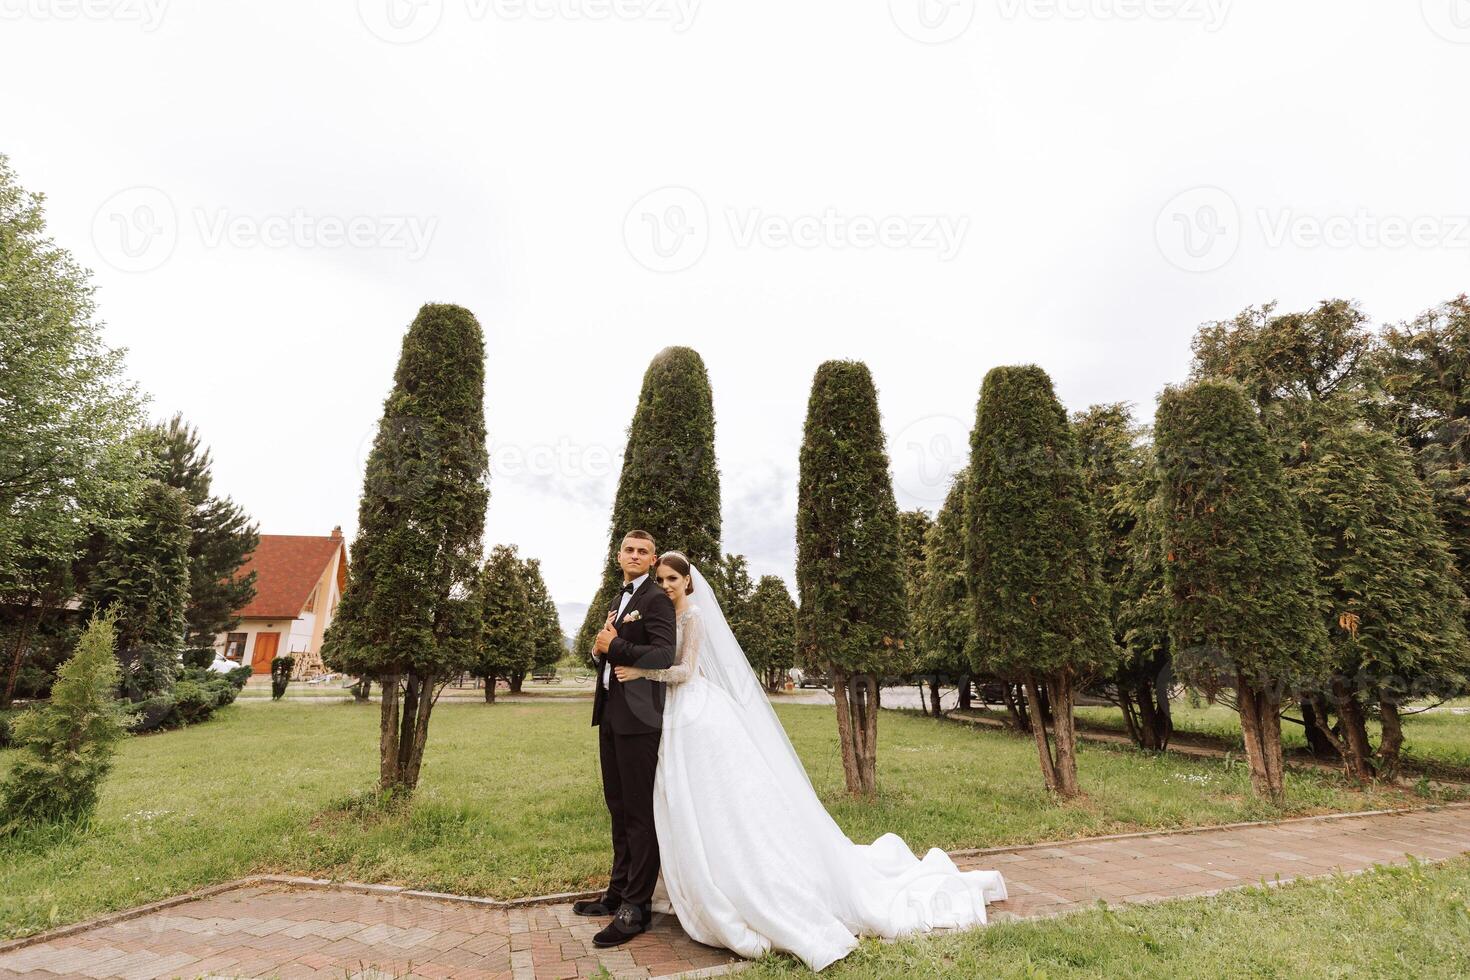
290, 630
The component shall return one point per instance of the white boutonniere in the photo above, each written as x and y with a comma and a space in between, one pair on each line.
633, 616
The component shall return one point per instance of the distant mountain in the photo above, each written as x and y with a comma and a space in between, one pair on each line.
571, 615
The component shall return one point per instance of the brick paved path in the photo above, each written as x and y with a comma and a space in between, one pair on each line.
286, 928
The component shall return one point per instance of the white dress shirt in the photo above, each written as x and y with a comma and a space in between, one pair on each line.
622, 604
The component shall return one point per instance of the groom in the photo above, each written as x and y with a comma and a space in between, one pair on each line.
639, 632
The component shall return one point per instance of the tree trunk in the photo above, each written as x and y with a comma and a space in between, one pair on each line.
1261, 725
363, 689
965, 681
1038, 731
418, 734
1320, 738
1065, 727
857, 729
1163, 712
1358, 760
1391, 746
489, 690
923, 698
388, 735
1019, 718
517, 678
27, 623
934, 690
1130, 714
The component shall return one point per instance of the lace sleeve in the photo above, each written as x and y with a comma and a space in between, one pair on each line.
686, 658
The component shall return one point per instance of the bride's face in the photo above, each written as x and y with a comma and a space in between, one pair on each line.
671, 582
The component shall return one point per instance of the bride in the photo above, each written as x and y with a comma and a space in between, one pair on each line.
751, 859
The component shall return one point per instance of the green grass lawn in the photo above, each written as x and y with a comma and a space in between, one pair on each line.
1437, 741
1391, 922
510, 803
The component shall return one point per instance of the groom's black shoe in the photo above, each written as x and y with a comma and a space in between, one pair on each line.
629, 922
606, 905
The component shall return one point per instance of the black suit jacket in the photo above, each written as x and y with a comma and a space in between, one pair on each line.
637, 707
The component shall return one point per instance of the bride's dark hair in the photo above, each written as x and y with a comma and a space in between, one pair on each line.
679, 564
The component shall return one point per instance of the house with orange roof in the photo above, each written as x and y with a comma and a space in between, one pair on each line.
298, 582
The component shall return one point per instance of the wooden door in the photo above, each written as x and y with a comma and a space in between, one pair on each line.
265, 652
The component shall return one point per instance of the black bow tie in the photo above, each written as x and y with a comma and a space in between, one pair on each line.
628, 588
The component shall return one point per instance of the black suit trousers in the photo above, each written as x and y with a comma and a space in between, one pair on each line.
629, 763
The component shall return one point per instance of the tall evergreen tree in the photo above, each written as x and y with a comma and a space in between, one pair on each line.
508, 634
769, 631
669, 486
913, 529
852, 618
1031, 562
1395, 610
1116, 472
1425, 367
408, 617
943, 623
1142, 623
221, 535
143, 579
1246, 612
547, 639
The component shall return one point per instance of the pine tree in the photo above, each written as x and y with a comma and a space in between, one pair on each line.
852, 618
1395, 611
913, 530
66, 744
1246, 612
1038, 609
669, 486
768, 631
143, 578
509, 628
408, 617
221, 535
943, 623
549, 646
1116, 469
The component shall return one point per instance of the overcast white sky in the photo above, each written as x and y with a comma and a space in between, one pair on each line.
933, 186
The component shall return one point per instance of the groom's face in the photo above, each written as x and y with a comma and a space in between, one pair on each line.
636, 557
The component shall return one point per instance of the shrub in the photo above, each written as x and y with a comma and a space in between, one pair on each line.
240, 675
281, 676
200, 657
193, 702
4, 732
67, 743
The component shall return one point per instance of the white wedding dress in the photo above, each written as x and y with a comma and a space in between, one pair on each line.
751, 859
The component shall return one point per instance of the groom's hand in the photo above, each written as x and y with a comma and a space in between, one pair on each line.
604, 637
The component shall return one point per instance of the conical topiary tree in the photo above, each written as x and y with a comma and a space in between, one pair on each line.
1118, 473
507, 623
1245, 610
1395, 611
849, 575
670, 485
408, 617
1030, 553
943, 625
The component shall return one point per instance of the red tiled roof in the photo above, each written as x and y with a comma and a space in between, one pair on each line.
287, 567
